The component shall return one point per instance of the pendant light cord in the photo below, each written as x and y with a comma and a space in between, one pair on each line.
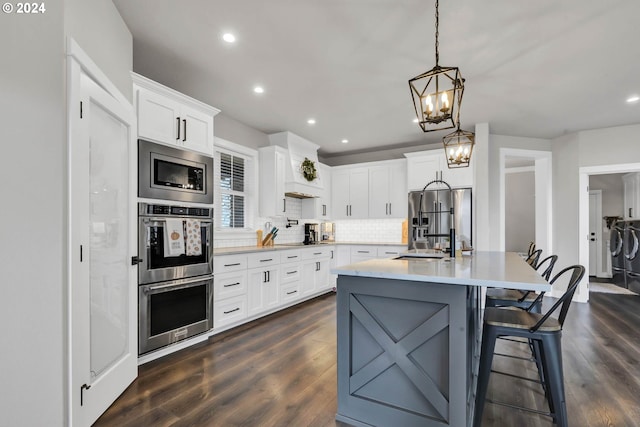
437, 33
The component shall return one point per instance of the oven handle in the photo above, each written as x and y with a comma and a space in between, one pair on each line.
184, 283
149, 219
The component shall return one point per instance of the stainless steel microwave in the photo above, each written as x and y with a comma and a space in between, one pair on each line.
169, 173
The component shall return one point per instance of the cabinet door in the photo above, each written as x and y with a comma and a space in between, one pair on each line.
197, 130
458, 177
340, 193
158, 118
359, 193
308, 283
262, 293
272, 176
323, 281
379, 191
398, 195
423, 169
631, 196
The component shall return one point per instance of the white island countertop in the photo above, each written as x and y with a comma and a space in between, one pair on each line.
489, 269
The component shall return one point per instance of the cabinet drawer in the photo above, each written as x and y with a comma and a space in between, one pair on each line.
227, 263
290, 292
290, 273
229, 311
364, 251
317, 252
229, 285
265, 259
390, 251
290, 256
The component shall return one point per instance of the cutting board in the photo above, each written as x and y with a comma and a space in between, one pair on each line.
405, 231
259, 238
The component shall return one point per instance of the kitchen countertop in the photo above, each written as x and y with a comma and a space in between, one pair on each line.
286, 246
490, 269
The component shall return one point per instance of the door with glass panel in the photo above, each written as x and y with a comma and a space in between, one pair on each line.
103, 298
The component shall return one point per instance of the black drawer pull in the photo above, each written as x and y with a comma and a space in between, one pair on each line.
292, 256
292, 292
317, 253
232, 265
265, 260
292, 272
364, 252
231, 311
231, 284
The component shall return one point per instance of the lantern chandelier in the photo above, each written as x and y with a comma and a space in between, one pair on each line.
437, 96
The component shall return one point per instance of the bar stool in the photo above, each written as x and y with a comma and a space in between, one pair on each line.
545, 332
497, 297
533, 258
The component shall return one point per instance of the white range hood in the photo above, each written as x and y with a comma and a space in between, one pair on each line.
298, 149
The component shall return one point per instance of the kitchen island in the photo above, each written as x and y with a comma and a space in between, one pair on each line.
409, 335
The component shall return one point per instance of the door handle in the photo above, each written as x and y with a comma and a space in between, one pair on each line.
178, 120
184, 138
135, 260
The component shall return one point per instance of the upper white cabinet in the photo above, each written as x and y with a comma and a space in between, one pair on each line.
320, 207
426, 166
350, 192
388, 190
272, 177
631, 183
169, 117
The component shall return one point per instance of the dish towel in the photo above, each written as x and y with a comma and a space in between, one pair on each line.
173, 237
193, 237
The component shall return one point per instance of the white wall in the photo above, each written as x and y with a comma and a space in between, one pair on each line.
32, 253
601, 147
491, 201
520, 210
32, 106
99, 30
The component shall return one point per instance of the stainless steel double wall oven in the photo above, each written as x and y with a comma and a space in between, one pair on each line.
175, 246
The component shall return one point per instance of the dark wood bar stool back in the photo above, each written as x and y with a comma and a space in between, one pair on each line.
544, 332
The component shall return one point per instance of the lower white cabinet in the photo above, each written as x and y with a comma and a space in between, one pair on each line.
263, 289
390, 251
363, 253
230, 310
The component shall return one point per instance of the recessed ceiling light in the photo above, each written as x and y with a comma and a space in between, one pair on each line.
311, 121
344, 141
415, 120
632, 99
258, 89
228, 37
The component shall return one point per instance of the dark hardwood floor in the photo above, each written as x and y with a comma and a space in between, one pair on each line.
281, 371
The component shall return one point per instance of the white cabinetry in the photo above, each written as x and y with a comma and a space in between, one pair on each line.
388, 190
350, 193
320, 207
390, 251
362, 253
169, 117
315, 270
631, 183
229, 290
290, 277
263, 282
272, 171
425, 166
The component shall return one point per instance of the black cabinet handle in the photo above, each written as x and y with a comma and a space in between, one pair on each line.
364, 252
292, 256
178, 120
232, 265
324, 210
231, 284
292, 272
284, 205
317, 253
266, 260
231, 311
185, 129
292, 292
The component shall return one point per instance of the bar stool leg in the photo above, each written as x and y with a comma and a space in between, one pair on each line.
538, 354
552, 365
489, 337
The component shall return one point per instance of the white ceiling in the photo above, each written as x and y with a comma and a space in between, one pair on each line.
532, 68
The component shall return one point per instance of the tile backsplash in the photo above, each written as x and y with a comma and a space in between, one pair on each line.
369, 230
351, 230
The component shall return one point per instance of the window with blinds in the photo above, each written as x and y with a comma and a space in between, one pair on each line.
232, 191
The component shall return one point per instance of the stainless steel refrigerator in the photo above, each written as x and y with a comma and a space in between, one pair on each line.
430, 218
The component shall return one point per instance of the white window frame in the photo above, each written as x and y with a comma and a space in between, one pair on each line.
250, 189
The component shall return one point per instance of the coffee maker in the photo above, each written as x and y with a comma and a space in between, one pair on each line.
310, 234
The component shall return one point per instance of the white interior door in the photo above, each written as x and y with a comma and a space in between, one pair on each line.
103, 301
595, 220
